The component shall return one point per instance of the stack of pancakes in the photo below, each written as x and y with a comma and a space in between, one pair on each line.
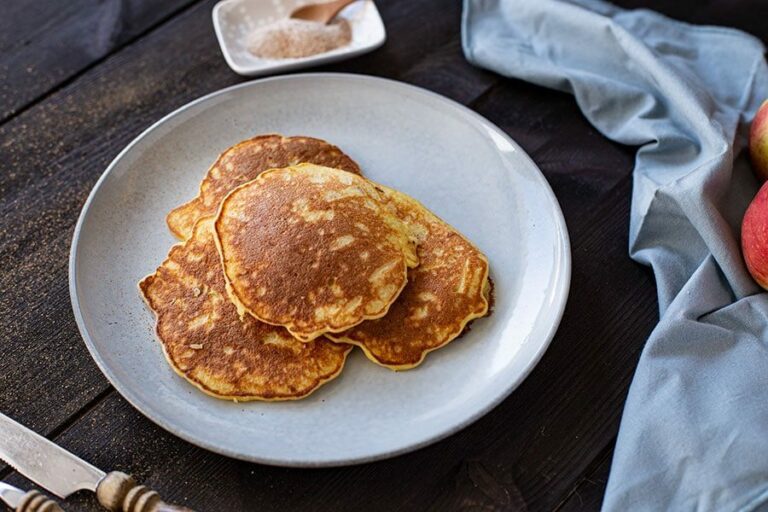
290, 257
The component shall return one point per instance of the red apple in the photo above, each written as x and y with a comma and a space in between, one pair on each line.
754, 237
758, 143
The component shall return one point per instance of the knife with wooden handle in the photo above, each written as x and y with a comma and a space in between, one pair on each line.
30, 501
54, 468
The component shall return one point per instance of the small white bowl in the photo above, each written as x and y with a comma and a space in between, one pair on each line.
234, 20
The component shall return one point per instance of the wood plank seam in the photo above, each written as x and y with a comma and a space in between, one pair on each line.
82, 71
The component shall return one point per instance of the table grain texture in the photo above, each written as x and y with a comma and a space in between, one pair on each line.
80, 79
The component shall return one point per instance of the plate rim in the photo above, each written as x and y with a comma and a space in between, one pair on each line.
560, 288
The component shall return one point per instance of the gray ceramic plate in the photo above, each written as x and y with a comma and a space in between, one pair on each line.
457, 163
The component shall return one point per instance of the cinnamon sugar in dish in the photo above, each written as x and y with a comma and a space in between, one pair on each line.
293, 38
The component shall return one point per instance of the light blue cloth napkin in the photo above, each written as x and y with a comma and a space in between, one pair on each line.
694, 434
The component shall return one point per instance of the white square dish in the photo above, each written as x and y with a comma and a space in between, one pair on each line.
234, 20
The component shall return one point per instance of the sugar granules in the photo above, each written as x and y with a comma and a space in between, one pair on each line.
291, 38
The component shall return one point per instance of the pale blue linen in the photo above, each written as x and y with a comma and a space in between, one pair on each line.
694, 434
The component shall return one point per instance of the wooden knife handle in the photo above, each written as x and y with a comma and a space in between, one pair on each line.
119, 492
35, 501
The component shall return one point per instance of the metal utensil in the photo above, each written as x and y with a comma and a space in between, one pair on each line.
30, 501
62, 473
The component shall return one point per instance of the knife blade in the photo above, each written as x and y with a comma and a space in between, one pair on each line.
10, 495
62, 473
43, 462
31, 501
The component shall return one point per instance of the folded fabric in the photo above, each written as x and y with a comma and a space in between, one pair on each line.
694, 433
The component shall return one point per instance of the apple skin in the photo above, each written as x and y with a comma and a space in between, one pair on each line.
758, 143
754, 237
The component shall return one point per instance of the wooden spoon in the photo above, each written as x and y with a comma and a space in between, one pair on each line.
321, 13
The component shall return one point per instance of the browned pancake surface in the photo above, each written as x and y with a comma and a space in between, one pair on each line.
246, 160
206, 342
448, 289
312, 249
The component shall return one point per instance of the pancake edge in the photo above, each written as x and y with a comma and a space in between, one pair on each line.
488, 289
242, 309
180, 236
200, 186
410, 366
200, 386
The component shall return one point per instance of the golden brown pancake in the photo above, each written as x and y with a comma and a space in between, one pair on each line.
207, 343
448, 289
246, 160
312, 249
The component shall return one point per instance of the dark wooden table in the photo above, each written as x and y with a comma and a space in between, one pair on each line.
80, 79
